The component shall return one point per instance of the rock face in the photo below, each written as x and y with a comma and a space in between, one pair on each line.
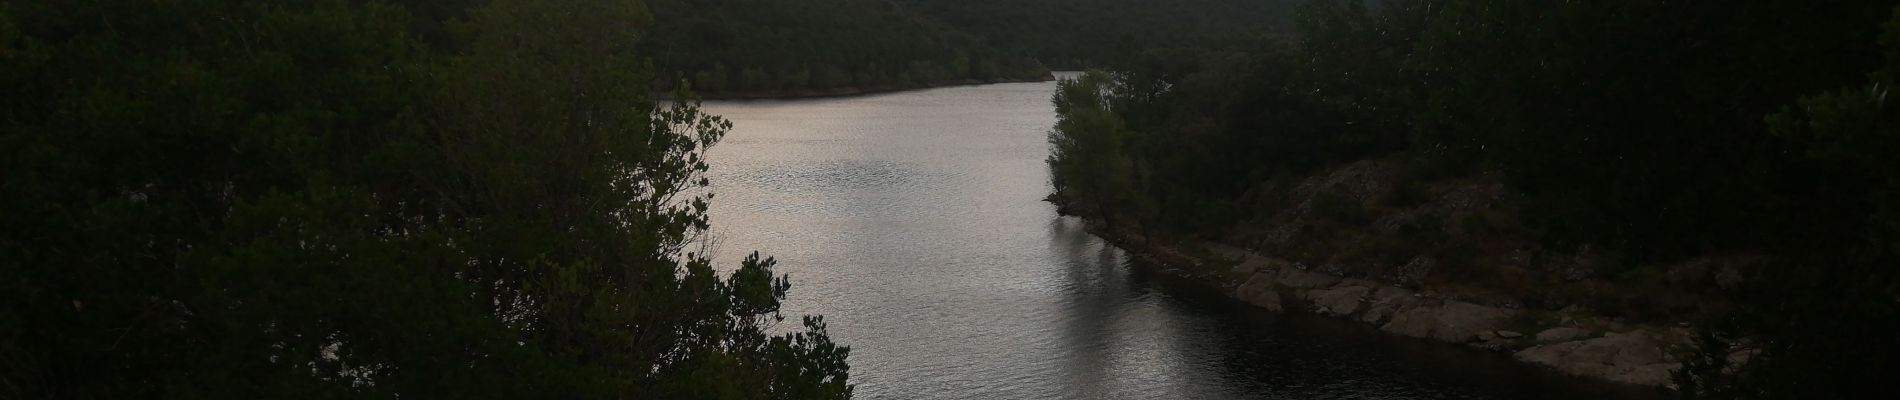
1453, 321
1386, 301
1632, 358
1297, 279
1560, 334
1343, 300
1636, 356
1402, 301
1258, 291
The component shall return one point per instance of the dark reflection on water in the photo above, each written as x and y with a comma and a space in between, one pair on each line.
913, 222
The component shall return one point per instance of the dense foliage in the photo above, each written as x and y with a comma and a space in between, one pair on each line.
1825, 319
769, 47
329, 198
1072, 34
1657, 130
760, 46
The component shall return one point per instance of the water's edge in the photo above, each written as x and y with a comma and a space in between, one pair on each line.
848, 91
1636, 357
910, 221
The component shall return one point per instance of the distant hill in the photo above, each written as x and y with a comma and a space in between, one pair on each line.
1070, 34
790, 48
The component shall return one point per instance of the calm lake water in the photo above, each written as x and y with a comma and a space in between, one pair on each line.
913, 222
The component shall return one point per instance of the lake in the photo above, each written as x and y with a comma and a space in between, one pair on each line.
913, 222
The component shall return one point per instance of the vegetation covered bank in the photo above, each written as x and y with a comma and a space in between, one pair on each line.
770, 48
1722, 165
367, 199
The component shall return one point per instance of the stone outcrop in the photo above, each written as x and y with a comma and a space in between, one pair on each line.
1633, 356
1343, 300
1449, 321
1385, 302
1560, 334
1398, 301
1397, 310
1298, 279
1637, 358
1260, 292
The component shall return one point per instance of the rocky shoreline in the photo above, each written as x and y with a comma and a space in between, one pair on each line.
1574, 342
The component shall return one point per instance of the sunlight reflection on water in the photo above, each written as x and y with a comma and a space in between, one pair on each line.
913, 222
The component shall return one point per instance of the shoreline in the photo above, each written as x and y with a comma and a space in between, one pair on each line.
1575, 343
848, 91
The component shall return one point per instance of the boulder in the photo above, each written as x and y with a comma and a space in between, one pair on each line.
1560, 334
1297, 279
1385, 302
1415, 321
1376, 314
1258, 290
1510, 334
1267, 299
1601, 350
1342, 300
1246, 268
1554, 355
1253, 285
1486, 336
1454, 321
1638, 352
1461, 320
1249, 264
1635, 359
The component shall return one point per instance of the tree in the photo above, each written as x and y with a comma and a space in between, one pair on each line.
297, 199
1088, 157
792, 43
1806, 316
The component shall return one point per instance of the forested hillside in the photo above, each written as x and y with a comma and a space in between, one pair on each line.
762, 48
360, 199
1074, 34
1644, 137
773, 47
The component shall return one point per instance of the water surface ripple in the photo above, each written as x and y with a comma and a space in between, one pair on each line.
913, 222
